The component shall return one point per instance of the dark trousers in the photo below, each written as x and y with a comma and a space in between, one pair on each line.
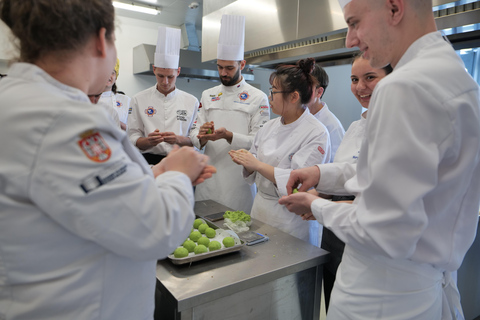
153, 158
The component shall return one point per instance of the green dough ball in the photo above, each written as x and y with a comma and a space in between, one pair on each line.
210, 232
189, 245
228, 242
295, 190
200, 249
197, 223
204, 241
214, 245
195, 235
180, 252
202, 227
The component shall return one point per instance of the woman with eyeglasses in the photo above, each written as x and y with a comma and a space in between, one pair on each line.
294, 140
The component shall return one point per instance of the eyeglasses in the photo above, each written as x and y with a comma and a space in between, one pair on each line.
273, 92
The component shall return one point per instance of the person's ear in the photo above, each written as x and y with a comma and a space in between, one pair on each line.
294, 97
397, 10
101, 43
319, 92
178, 71
242, 64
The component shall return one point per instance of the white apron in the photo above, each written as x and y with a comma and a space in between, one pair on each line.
267, 210
376, 287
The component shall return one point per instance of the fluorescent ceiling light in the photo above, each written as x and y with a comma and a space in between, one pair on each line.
136, 8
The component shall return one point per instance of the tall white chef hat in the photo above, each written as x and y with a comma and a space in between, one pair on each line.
167, 52
343, 3
232, 38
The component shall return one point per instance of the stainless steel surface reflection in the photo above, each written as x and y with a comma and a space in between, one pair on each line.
279, 278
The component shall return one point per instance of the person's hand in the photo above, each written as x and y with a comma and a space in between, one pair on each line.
246, 159
169, 137
185, 160
299, 203
207, 173
308, 216
206, 129
154, 138
303, 179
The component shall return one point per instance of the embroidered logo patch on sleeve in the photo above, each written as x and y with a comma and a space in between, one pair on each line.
94, 146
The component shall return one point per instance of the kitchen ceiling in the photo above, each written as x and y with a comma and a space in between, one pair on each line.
282, 35
174, 12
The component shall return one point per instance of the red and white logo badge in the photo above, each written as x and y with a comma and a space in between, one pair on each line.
321, 150
94, 146
150, 111
244, 96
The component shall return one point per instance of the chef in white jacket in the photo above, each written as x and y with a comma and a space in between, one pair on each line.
364, 78
163, 115
293, 140
320, 110
116, 100
84, 219
233, 112
417, 186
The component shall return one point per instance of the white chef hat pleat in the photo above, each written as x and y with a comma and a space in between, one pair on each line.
231, 42
343, 3
167, 52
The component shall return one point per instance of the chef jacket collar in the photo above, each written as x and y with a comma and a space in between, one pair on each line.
31, 72
169, 96
236, 87
297, 122
419, 44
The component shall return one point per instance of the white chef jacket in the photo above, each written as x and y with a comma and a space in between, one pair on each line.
241, 109
176, 112
119, 102
83, 221
112, 113
286, 147
334, 127
344, 165
417, 188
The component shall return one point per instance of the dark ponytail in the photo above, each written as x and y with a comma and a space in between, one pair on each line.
296, 78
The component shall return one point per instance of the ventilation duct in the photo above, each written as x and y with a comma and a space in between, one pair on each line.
190, 62
284, 31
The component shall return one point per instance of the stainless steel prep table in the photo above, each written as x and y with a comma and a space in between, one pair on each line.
277, 279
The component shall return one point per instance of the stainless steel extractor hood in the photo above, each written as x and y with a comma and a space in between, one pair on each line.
190, 62
283, 31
